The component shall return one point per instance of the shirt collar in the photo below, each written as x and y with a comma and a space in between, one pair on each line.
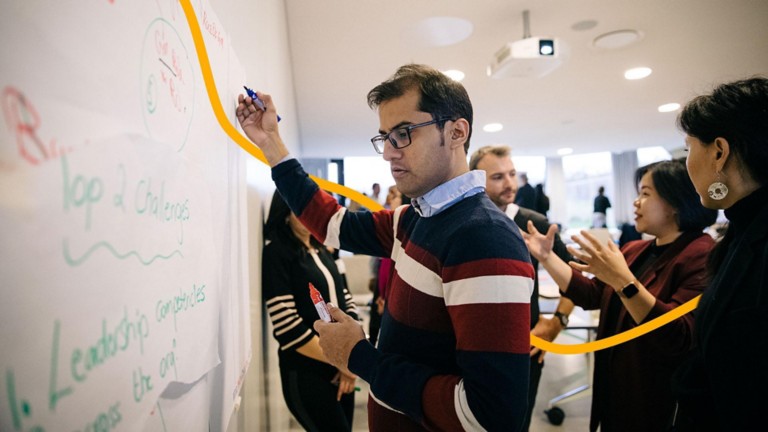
449, 193
512, 210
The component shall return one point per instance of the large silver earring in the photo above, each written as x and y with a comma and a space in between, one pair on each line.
717, 190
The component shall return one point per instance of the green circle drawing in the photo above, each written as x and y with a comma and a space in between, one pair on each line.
168, 84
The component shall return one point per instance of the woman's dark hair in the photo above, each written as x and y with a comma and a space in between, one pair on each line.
738, 112
441, 96
276, 228
672, 183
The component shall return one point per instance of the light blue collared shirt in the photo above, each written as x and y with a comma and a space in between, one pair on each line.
449, 193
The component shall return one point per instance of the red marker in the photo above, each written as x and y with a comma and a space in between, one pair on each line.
317, 299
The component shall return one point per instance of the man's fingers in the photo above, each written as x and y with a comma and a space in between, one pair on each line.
532, 228
336, 313
553, 229
319, 326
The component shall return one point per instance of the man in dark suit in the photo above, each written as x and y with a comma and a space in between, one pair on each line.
501, 187
526, 195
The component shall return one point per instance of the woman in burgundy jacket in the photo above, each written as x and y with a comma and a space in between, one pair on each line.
642, 281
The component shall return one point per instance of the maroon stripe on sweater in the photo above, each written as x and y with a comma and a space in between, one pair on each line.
407, 305
438, 403
318, 212
487, 267
490, 327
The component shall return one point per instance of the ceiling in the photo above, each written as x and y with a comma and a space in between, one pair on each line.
342, 48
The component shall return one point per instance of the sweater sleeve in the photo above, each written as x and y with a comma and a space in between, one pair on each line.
349, 305
361, 232
585, 292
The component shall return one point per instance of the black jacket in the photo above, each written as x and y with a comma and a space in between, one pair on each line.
724, 384
542, 224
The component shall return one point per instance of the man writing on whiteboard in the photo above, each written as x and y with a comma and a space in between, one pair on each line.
453, 350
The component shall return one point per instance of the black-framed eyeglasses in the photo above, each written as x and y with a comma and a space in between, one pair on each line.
400, 137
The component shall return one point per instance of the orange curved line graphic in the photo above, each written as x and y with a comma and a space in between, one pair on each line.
245, 144
618, 338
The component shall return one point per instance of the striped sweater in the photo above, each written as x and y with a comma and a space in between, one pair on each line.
285, 283
453, 351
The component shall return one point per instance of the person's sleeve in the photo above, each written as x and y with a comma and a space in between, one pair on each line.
487, 291
349, 305
289, 329
584, 292
360, 232
384, 276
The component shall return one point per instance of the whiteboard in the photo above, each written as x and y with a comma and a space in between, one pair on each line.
124, 276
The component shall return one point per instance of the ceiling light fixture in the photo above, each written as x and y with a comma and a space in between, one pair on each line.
637, 73
438, 31
617, 39
454, 74
564, 151
493, 127
669, 107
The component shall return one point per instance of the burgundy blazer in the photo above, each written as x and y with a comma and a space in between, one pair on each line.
632, 381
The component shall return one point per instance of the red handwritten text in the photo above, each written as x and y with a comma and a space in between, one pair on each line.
213, 30
22, 119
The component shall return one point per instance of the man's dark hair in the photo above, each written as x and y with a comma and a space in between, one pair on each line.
440, 95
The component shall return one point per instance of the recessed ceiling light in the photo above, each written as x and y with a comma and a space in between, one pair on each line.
584, 25
454, 74
637, 73
438, 31
669, 107
493, 127
564, 151
617, 39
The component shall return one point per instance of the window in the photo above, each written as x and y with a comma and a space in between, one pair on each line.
583, 175
647, 155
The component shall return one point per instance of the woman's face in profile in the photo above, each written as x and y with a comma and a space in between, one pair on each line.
653, 214
700, 170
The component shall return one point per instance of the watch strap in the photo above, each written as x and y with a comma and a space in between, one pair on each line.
563, 318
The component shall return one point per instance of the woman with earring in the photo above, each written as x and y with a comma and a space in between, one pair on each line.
724, 383
643, 280
318, 395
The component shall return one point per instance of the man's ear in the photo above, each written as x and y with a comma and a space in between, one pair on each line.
459, 133
722, 150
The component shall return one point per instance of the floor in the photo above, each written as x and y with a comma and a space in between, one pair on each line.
561, 374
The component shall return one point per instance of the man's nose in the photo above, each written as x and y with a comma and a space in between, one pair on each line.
391, 152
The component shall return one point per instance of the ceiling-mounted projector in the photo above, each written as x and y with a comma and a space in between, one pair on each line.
528, 57
531, 57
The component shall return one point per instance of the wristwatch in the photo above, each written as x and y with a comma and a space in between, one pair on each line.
563, 318
629, 290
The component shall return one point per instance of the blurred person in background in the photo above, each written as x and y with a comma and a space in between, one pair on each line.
320, 396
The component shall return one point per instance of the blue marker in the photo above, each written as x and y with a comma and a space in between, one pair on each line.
257, 101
